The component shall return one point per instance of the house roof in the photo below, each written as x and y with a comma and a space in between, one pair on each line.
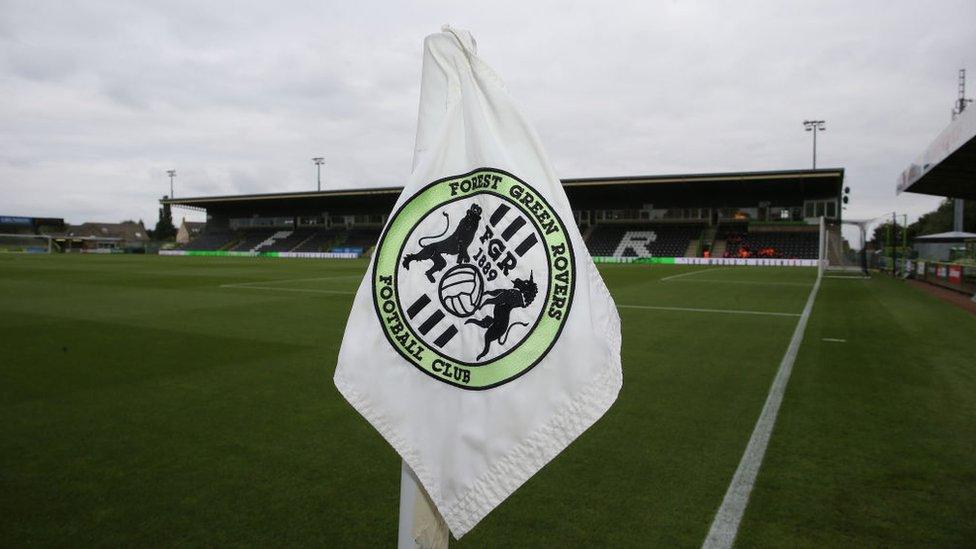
128, 230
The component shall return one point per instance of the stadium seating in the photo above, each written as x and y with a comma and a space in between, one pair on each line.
305, 239
287, 243
319, 241
741, 242
253, 239
211, 239
641, 240
364, 238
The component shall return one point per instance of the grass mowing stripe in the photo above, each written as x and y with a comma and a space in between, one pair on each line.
695, 310
274, 289
725, 525
760, 282
289, 280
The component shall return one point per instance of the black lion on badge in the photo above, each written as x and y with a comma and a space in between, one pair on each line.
456, 244
504, 300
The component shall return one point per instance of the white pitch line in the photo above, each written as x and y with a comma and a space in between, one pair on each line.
725, 525
672, 277
693, 310
834, 340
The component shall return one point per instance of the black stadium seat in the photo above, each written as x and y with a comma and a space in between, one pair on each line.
655, 239
210, 240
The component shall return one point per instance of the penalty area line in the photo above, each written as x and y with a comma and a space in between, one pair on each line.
672, 277
725, 525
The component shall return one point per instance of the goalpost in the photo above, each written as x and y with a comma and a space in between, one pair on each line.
26, 243
836, 255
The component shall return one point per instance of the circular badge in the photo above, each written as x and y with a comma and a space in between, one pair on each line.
473, 279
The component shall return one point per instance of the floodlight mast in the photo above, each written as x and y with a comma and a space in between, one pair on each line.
171, 174
318, 168
814, 126
962, 101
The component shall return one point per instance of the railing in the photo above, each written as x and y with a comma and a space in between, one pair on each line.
955, 276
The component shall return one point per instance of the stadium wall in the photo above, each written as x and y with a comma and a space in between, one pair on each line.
749, 262
292, 255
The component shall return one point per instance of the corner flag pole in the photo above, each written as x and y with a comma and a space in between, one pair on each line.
421, 526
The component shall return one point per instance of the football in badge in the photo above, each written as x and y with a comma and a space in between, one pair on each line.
461, 290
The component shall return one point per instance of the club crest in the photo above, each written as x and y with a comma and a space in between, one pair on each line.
473, 279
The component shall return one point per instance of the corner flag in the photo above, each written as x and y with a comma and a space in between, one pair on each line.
482, 340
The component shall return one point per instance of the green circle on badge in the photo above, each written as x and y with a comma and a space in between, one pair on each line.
502, 274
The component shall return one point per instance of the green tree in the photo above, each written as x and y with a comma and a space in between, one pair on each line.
164, 227
940, 220
937, 221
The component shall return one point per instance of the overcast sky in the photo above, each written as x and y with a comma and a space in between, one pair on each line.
99, 99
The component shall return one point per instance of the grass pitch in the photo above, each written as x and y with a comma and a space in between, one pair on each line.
171, 401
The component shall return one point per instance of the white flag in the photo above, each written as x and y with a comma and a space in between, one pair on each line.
482, 340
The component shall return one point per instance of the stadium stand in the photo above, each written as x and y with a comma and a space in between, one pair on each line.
644, 239
759, 214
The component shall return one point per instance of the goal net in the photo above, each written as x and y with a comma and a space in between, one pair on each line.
26, 243
838, 256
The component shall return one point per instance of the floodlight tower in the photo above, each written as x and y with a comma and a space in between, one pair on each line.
171, 174
318, 168
962, 101
815, 126
957, 109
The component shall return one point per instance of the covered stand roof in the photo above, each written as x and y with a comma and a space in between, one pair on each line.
951, 236
608, 192
948, 165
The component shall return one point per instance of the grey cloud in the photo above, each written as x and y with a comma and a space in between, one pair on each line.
102, 97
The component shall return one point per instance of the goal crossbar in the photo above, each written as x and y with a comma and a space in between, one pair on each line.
25, 243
